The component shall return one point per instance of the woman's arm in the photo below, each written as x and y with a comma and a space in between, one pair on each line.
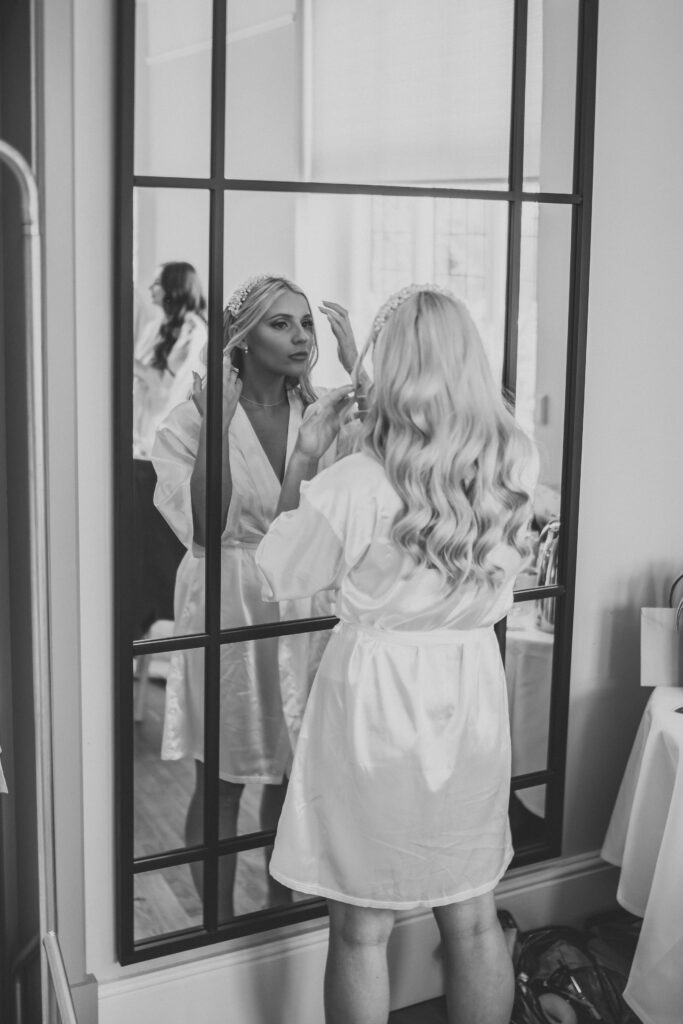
347, 350
318, 430
232, 387
300, 467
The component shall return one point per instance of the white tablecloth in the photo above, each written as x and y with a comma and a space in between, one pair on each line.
645, 838
528, 670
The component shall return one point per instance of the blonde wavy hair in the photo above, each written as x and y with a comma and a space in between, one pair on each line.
447, 440
252, 301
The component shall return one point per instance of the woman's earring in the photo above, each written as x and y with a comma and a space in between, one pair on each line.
245, 349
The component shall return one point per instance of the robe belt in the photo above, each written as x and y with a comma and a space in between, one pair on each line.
417, 637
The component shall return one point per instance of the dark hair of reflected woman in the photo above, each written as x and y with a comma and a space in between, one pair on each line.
182, 295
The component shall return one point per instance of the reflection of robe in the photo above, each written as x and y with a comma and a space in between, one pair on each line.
156, 392
261, 678
399, 791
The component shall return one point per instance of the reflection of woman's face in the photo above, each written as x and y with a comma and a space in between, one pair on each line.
282, 340
156, 291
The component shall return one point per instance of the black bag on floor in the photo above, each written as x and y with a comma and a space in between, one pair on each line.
613, 937
561, 981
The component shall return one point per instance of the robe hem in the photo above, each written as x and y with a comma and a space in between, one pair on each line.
312, 889
263, 780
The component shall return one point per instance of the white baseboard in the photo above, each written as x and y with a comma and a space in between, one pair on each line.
279, 980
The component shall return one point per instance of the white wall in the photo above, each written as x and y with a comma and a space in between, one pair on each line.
631, 512
630, 538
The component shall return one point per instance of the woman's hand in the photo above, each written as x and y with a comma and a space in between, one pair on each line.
322, 421
232, 389
338, 319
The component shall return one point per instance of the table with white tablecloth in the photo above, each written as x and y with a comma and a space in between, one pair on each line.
645, 839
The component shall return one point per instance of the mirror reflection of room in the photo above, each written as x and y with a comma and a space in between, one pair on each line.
170, 340
308, 119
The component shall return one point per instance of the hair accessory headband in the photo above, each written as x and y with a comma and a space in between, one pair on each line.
235, 301
398, 298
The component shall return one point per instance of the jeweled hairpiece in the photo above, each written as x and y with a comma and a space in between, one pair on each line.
398, 298
234, 303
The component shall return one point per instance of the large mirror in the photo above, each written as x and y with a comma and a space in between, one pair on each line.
318, 92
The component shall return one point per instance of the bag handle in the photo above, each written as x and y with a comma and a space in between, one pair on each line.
675, 583
678, 607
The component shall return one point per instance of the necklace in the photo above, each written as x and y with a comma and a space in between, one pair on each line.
263, 405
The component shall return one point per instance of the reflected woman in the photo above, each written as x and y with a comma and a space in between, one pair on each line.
166, 355
270, 348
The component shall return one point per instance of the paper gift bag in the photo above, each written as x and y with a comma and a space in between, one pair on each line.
661, 647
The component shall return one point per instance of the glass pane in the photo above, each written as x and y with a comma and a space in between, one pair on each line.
255, 732
264, 110
529, 648
358, 249
245, 876
527, 816
168, 736
166, 901
542, 351
550, 95
370, 92
170, 262
354, 250
173, 87
169, 225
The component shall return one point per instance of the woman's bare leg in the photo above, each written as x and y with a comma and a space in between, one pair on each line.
480, 981
194, 831
272, 799
356, 975
229, 794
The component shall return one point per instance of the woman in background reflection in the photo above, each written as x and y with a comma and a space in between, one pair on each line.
166, 355
399, 791
270, 347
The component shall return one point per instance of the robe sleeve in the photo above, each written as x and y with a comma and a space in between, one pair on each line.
313, 547
173, 456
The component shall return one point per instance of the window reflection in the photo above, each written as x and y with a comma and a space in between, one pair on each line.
166, 901
529, 645
173, 87
325, 106
164, 774
550, 95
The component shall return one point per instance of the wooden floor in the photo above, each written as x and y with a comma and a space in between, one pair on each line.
166, 901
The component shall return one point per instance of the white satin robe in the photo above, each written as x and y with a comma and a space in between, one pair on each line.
264, 684
399, 791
